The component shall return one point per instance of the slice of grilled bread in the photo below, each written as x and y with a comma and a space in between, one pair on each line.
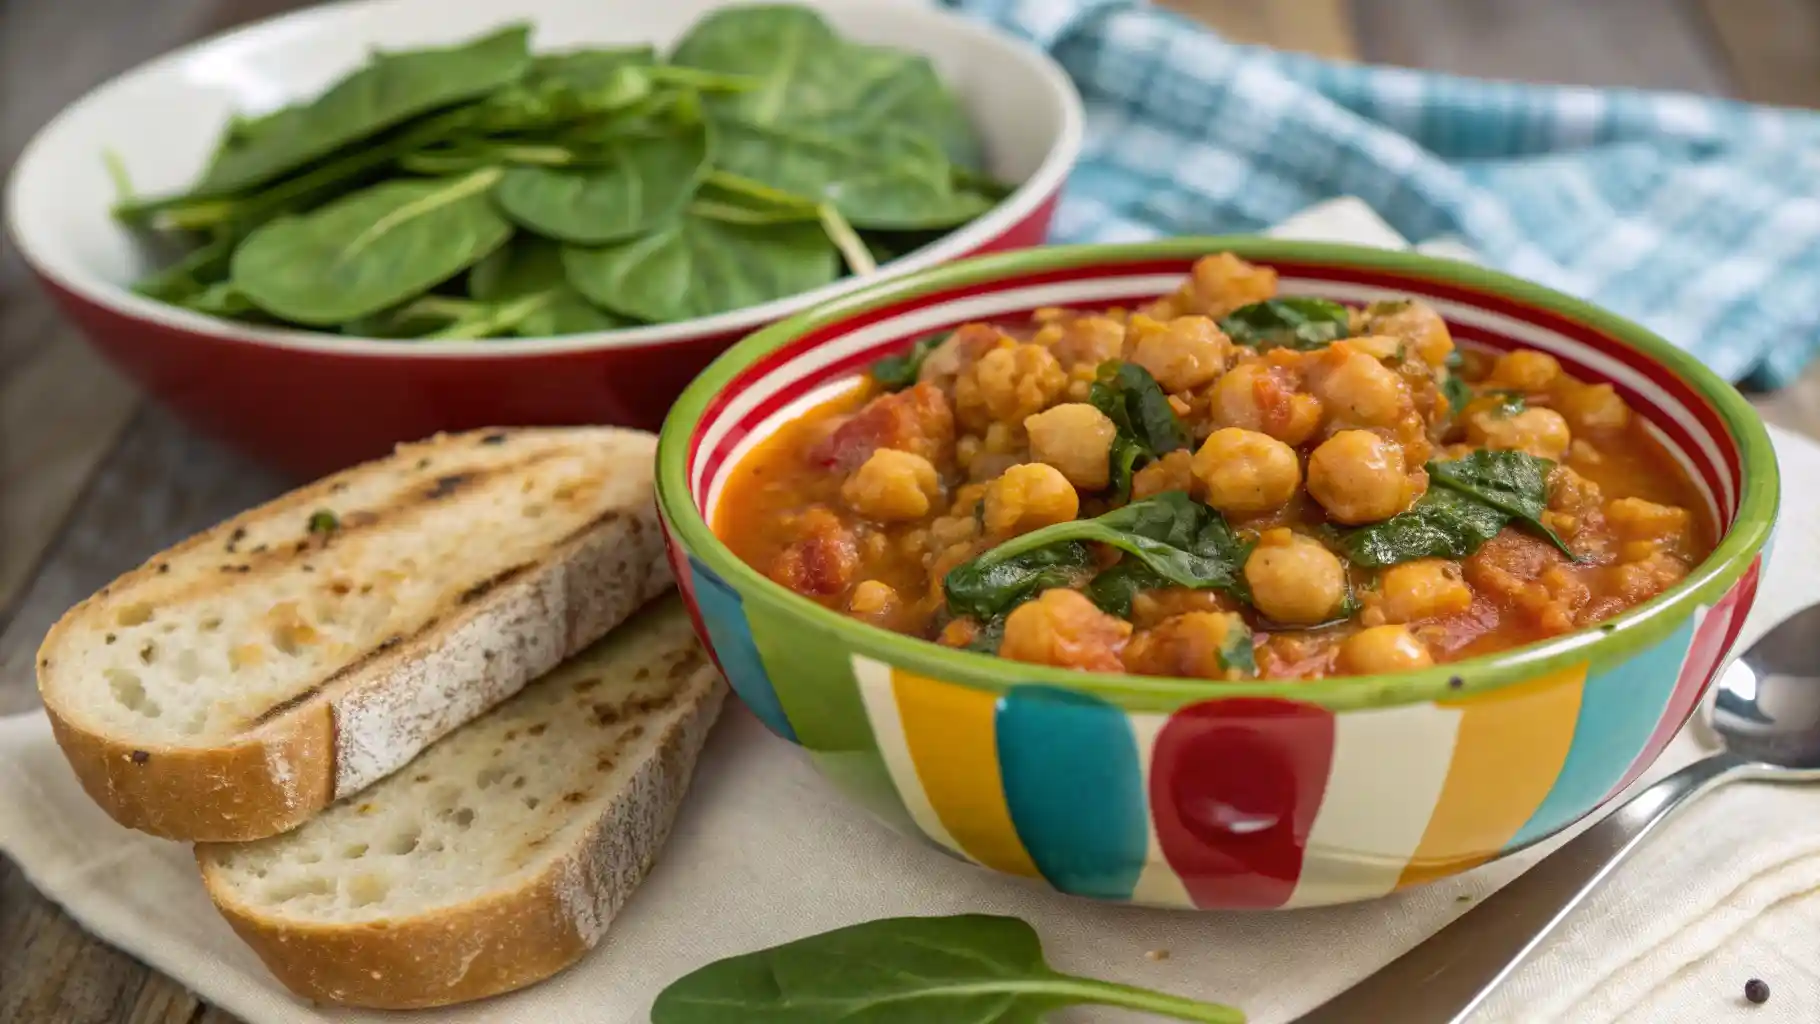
238, 683
501, 854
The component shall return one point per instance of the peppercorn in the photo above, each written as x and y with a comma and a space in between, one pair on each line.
1756, 990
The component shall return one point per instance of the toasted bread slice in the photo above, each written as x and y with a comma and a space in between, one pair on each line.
238, 683
501, 854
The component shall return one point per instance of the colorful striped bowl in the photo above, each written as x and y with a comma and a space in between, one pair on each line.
1196, 794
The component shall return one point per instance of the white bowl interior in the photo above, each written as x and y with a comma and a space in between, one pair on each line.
162, 120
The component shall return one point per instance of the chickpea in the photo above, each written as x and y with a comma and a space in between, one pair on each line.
1383, 649
1592, 408
1076, 439
1416, 324
1422, 589
892, 485
1084, 341
1181, 354
872, 599
1007, 384
1540, 432
1360, 391
1358, 477
1252, 397
1195, 645
1029, 497
1172, 472
1063, 628
1637, 519
1294, 580
1247, 472
1524, 370
1221, 283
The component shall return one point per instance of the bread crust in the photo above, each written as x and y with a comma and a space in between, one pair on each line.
508, 939
374, 715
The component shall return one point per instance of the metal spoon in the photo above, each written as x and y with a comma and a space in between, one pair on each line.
1767, 715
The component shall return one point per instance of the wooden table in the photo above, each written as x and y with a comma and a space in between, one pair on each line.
92, 480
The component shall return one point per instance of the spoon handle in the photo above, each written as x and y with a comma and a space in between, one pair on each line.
1445, 978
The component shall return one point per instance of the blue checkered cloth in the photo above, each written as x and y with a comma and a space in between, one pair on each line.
1697, 217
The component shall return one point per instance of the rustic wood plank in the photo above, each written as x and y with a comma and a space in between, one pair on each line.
1320, 27
1642, 43
1770, 47
60, 414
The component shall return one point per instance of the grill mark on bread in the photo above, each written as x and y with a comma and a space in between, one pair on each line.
409, 497
294, 701
481, 589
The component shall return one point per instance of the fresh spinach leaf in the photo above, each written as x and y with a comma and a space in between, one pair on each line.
1515, 483
1178, 538
529, 266
643, 183
201, 267
391, 89
973, 968
1468, 502
369, 250
1146, 423
1115, 588
895, 373
695, 266
1296, 322
988, 588
1443, 523
876, 176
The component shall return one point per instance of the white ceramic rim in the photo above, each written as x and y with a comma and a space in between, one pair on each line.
1037, 189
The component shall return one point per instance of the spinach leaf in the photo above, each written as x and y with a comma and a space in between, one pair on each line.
1468, 502
533, 266
695, 266
369, 250
1297, 322
1443, 523
988, 638
201, 267
1515, 483
1114, 589
973, 968
876, 176
895, 373
1454, 388
391, 89
1147, 425
988, 588
643, 183
1178, 538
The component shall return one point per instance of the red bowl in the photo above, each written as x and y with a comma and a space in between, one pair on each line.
309, 402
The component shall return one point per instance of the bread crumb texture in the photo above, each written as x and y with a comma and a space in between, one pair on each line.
530, 795
236, 626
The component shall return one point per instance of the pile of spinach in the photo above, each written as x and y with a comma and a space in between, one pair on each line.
1468, 502
481, 190
973, 967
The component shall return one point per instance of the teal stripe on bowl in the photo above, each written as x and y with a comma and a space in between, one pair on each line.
724, 615
1618, 712
1075, 789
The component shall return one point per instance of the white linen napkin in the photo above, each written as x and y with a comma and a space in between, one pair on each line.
764, 851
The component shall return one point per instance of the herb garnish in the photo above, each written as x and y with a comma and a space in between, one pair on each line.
1297, 322
324, 522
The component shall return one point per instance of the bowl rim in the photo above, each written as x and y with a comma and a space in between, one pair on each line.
1620, 635
1041, 186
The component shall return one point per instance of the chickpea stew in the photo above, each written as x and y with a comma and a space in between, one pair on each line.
1220, 484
